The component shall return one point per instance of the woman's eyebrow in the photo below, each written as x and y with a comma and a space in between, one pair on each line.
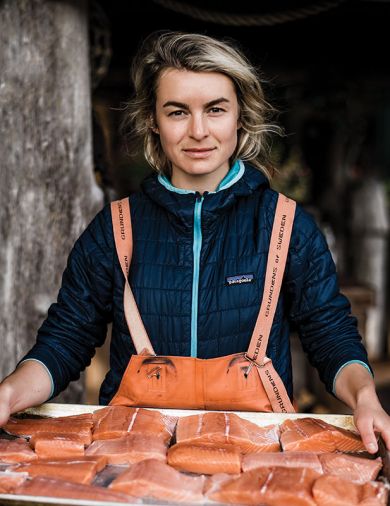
182, 105
216, 102
176, 104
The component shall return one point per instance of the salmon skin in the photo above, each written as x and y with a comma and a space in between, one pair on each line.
311, 434
335, 491
227, 428
205, 459
81, 470
9, 481
109, 473
276, 486
117, 421
155, 479
49, 487
282, 459
129, 449
27, 427
16, 450
350, 467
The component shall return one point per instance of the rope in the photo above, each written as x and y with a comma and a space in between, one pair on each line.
247, 19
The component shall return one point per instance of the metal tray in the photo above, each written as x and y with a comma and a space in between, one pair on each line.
261, 419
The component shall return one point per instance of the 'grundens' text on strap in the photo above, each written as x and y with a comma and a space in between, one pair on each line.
121, 221
275, 389
123, 233
270, 290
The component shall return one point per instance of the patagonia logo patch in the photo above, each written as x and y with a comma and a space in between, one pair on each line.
239, 279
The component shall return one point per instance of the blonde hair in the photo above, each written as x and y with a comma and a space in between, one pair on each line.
197, 53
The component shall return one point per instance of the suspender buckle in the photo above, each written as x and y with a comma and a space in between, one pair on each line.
253, 362
154, 372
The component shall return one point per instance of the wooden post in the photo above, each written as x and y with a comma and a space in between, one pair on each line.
47, 190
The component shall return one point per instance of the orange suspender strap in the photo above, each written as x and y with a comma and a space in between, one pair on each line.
123, 235
277, 256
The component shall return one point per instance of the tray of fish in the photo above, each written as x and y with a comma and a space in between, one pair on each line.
92, 455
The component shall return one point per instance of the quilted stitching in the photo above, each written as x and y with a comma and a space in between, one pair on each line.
236, 227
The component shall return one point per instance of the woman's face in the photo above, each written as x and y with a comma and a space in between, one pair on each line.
197, 121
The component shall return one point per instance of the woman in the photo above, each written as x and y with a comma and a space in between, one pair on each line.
201, 227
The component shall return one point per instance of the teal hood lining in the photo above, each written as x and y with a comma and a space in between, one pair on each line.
235, 173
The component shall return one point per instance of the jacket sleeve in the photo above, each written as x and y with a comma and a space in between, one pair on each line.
77, 323
321, 314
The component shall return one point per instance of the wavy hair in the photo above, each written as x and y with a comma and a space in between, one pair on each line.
197, 53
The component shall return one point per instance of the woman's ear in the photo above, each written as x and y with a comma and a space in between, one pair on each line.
239, 124
153, 126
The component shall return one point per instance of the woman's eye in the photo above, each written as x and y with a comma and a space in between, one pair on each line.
216, 110
176, 113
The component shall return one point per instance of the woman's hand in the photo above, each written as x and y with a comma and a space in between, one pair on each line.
355, 386
29, 385
5, 404
371, 420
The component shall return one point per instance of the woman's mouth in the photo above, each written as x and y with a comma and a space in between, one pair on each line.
198, 152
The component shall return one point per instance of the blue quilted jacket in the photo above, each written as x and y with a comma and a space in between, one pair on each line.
188, 251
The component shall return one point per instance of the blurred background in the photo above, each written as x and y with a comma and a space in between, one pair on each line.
64, 81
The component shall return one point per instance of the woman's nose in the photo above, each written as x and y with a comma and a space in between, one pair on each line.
198, 128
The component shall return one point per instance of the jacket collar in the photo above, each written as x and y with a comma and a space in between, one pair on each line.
241, 181
234, 174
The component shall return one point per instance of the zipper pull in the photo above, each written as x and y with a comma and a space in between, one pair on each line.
199, 196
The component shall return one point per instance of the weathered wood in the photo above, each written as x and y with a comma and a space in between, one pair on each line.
47, 190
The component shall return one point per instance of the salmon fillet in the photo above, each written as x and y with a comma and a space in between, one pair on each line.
282, 459
27, 427
311, 434
276, 486
152, 478
129, 449
58, 448
335, 491
84, 438
356, 469
9, 481
49, 487
208, 459
214, 482
16, 450
227, 428
117, 421
82, 470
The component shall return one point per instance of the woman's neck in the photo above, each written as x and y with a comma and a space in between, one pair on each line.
198, 182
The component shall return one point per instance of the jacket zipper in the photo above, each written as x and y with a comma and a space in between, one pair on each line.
196, 248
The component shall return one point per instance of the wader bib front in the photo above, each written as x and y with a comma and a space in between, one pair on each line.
242, 381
